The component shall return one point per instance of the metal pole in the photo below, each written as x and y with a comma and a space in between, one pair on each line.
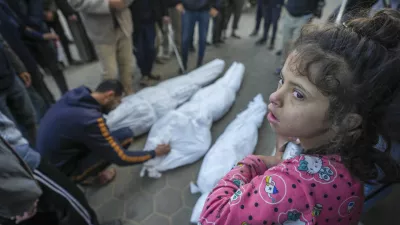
341, 12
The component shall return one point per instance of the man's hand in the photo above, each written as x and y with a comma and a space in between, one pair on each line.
50, 36
179, 7
117, 4
162, 150
49, 16
27, 215
73, 17
166, 19
26, 77
213, 12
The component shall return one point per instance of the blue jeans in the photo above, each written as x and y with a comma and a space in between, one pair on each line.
144, 49
189, 19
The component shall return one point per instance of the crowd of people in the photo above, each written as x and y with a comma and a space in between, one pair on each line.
47, 147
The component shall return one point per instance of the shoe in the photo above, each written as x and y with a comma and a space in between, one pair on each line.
181, 72
145, 81
278, 71
154, 77
208, 43
234, 35
278, 53
271, 47
221, 42
217, 44
262, 41
254, 33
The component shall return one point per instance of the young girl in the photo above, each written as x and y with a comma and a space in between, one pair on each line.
334, 94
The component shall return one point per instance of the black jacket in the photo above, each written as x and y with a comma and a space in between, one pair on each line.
159, 9
298, 8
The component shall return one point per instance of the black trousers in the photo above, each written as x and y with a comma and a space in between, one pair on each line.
46, 56
219, 24
62, 201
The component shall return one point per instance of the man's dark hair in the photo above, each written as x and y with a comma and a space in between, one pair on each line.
111, 85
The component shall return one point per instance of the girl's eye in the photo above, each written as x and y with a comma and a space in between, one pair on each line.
298, 95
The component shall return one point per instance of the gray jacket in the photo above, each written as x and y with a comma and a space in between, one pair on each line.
18, 188
13, 136
98, 19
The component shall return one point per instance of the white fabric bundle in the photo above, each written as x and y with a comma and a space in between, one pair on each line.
238, 140
224, 88
163, 98
187, 129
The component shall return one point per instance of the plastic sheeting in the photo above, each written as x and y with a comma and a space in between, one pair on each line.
152, 103
238, 140
187, 129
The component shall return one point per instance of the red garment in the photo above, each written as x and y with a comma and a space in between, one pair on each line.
301, 191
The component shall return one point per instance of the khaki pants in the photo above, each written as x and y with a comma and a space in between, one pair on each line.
117, 58
176, 22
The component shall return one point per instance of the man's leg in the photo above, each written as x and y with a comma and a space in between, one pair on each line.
125, 60
299, 23
22, 108
203, 18
150, 52
188, 23
63, 196
176, 22
46, 55
108, 58
287, 34
276, 13
138, 50
237, 10
259, 16
56, 25
267, 11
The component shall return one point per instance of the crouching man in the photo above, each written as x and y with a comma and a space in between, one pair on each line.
74, 136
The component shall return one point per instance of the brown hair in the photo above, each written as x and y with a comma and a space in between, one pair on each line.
359, 72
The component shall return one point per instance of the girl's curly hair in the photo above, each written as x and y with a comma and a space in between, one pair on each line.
360, 73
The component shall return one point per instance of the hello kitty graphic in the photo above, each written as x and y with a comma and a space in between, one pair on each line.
292, 218
316, 168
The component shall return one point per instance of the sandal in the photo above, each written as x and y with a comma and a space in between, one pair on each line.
103, 178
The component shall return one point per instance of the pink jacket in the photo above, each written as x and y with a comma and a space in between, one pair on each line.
301, 191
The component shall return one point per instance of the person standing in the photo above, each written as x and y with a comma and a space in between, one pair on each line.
235, 8
14, 98
298, 13
259, 16
31, 14
109, 26
218, 22
53, 21
146, 15
195, 11
271, 13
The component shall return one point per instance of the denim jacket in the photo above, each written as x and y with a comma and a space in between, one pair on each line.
13, 136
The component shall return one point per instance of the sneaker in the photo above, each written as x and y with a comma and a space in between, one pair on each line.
271, 47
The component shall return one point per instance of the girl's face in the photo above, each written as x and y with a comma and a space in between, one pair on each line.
297, 108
